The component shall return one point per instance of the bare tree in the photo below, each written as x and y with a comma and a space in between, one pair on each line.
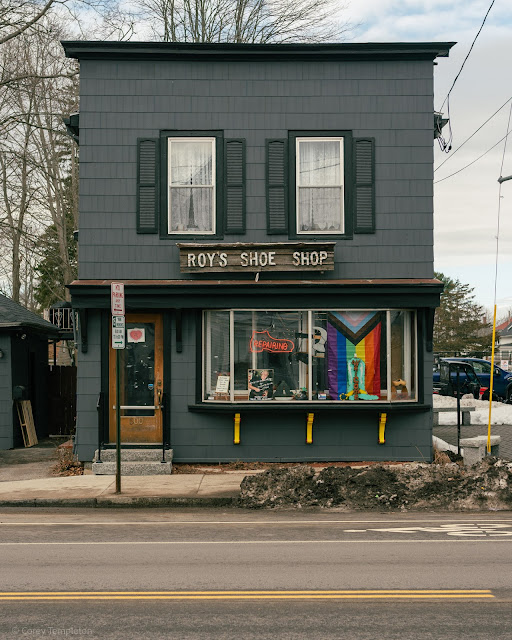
55, 155
244, 21
19, 16
38, 161
16, 176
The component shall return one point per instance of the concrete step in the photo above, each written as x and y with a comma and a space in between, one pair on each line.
134, 455
143, 468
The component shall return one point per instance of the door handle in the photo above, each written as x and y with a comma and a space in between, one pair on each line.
159, 396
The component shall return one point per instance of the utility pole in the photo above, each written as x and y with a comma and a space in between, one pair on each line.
501, 179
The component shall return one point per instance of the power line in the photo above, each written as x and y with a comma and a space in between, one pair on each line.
468, 54
476, 160
474, 133
446, 146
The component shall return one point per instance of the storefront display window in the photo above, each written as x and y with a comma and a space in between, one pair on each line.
288, 356
403, 356
217, 354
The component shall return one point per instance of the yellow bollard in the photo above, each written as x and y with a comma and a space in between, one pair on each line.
236, 439
382, 427
309, 428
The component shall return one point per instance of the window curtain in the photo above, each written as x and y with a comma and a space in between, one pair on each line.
191, 206
320, 186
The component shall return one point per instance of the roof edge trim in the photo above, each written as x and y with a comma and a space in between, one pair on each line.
87, 49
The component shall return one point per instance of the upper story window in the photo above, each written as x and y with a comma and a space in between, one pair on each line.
191, 186
320, 206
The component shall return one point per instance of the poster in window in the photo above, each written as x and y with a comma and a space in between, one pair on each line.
261, 384
222, 384
137, 334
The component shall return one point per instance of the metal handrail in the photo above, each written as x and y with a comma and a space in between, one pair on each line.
163, 411
135, 407
99, 407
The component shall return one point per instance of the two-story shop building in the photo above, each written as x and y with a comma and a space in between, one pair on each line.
269, 210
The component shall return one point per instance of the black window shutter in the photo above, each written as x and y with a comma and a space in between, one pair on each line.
147, 185
277, 186
234, 192
364, 185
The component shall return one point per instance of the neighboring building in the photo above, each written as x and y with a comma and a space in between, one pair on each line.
269, 210
24, 340
504, 340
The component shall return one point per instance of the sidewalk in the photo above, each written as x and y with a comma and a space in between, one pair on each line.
99, 491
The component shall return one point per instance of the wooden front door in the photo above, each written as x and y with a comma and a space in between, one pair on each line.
141, 381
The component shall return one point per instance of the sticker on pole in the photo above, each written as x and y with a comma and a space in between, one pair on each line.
118, 332
117, 298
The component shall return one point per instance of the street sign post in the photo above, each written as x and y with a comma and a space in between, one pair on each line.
118, 342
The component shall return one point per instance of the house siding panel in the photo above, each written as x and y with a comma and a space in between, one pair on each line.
6, 406
88, 389
125, 100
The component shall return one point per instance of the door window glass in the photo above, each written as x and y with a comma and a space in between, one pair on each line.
138, 368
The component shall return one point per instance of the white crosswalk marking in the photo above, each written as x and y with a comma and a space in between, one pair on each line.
460, 529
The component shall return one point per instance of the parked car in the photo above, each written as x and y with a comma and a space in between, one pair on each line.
502, 380
447, 384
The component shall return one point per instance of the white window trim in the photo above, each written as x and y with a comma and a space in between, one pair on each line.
341, 141
212, 186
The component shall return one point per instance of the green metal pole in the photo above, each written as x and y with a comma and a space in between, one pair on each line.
118, 426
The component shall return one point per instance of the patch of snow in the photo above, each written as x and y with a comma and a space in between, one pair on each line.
500, 414
441, 445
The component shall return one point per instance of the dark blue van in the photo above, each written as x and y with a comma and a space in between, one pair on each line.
502, 380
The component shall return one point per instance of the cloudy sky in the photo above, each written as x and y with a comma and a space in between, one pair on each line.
465, 205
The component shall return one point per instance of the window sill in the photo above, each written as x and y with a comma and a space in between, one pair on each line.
317, 236
304, 406
191, 237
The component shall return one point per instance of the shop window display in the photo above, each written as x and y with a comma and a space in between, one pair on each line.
286, 356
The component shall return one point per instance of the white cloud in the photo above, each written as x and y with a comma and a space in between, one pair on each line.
466, 204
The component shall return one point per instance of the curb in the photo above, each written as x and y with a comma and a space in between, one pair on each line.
121, 502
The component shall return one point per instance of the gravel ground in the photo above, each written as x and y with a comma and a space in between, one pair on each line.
30, 463
35, 462
448, 433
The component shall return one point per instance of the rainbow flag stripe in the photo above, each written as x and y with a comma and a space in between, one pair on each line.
345, 343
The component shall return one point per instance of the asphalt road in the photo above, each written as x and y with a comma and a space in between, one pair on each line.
238, 574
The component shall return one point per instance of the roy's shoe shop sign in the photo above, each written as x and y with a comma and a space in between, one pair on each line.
256, 257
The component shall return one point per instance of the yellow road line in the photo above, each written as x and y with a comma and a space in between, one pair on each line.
241, 592
237, 598
248, 595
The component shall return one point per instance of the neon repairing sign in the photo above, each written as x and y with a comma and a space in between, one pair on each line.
263, 341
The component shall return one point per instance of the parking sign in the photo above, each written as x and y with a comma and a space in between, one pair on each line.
117, 298
118, 332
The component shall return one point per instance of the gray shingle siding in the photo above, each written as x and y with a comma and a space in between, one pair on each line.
6, 406
88, 389
124, 100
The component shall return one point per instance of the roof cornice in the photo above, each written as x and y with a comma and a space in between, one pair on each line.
110, 50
